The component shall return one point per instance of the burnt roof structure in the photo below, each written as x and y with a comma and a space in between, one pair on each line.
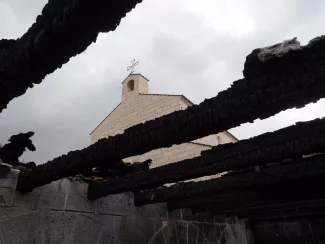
304, 138
311, 169
292, 80
63, 30
265, 176
17, 145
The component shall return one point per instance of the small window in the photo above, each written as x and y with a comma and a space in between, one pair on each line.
131, 85
219, 140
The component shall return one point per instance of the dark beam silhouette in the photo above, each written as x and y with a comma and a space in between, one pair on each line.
289, 143
10, 152
311, 169
285, 210
297, 79
63, 30
246, 202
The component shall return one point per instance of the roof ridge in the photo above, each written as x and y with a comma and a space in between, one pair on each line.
134, 74
171, 95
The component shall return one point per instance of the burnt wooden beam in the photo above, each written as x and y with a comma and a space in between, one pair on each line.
298, 81
63, 30
201, 203
236, 202
119, 169
312, 168
284, 210
10, 152
301, 139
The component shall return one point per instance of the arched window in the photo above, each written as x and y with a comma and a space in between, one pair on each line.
130, 85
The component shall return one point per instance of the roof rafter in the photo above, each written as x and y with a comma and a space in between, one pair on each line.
294, 80
311, 169
63, 30
304, 138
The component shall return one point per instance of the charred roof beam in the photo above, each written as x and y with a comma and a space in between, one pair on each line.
63, 30
311, 169
304, 138
296, 80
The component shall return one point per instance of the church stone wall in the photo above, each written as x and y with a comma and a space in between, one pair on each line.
140, 108
59, 213
135, 110
137, 107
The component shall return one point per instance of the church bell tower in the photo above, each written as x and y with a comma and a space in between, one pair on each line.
134, 85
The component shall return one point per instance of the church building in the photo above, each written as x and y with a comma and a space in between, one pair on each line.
138, 106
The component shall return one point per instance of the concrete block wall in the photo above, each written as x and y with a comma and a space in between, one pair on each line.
59, 213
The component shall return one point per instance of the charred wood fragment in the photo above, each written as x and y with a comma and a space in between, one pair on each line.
119, 169
304, 138
17, 145
263, 60
63, 30
201, 203
235, 203
297, 83
311, 169
295, 209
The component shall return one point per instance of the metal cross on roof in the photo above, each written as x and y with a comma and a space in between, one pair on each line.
132, 66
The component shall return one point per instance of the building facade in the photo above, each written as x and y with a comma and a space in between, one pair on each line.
138, 106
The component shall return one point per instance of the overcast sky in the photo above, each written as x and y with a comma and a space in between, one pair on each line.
192, 47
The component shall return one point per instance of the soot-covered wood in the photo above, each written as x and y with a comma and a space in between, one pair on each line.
237, 203
302, 207
119, 169
17, 145
289, 143
63, 30
298, 80
312, 169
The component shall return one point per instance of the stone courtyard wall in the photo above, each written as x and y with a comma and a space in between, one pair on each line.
59, 213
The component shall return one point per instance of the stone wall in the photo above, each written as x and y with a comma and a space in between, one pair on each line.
138, 106
59, 213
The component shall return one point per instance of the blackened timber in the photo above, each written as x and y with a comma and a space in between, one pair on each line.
297, 83
17, 145
312, 168
238, 201
273, 202
262, 60
63, 30
283, 210
304, 138
201, 202
119, 169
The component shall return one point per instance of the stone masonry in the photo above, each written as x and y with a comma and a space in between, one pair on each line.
59, 213
138, 106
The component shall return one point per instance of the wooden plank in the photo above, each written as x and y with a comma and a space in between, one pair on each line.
297, 83
63, 30
312, 168
302, 139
